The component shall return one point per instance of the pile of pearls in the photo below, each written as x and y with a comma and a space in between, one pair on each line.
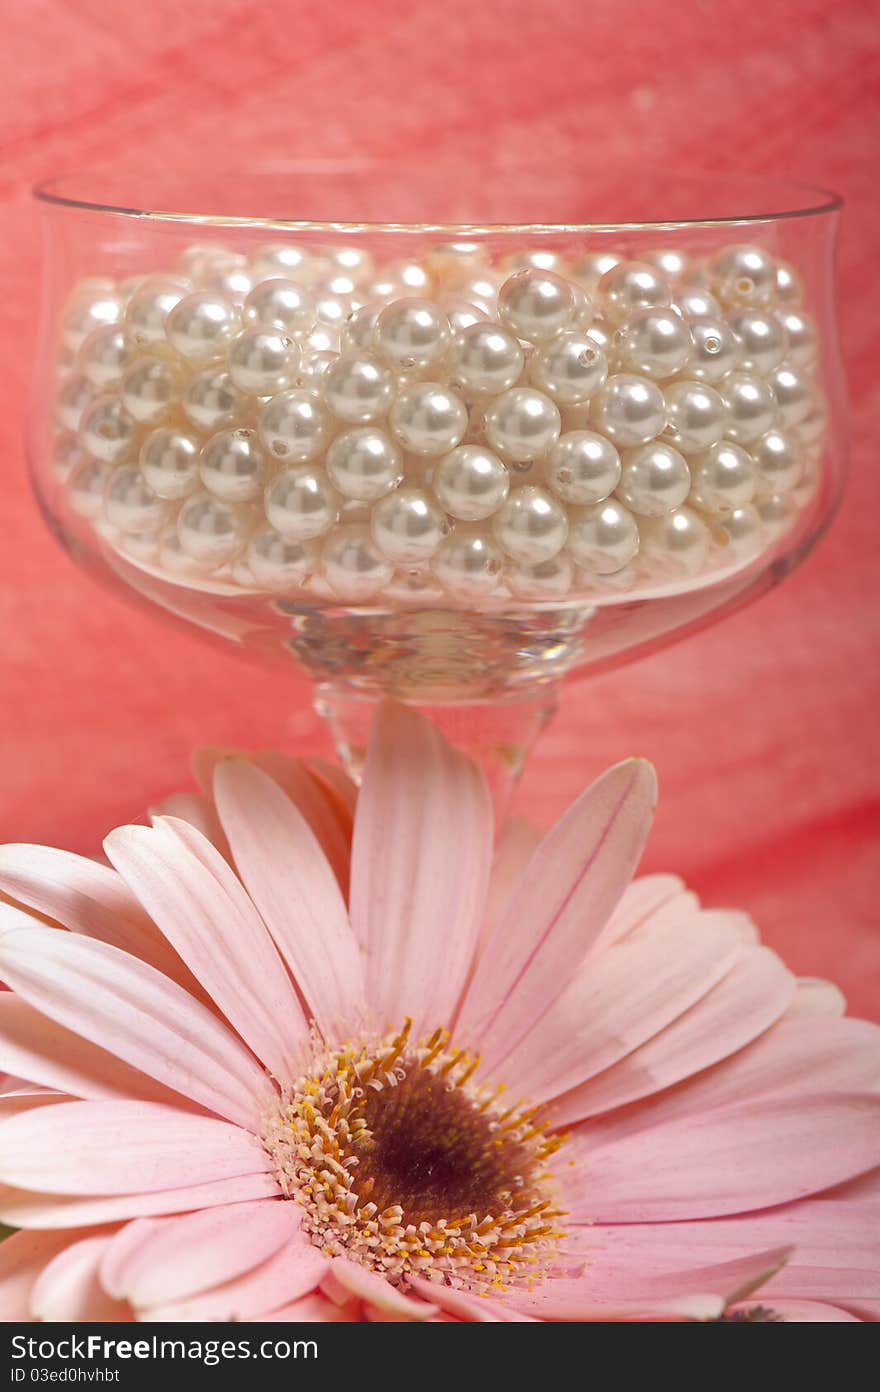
447, 429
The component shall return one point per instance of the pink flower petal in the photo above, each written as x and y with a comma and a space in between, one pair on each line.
69, 1288
199, 811
816, 997
642, 899
468, 1305
747, 1001
564, 898
122, 1147
22, 1257
799, 1311
23, 1208
289, 879
293, 1271
420, 862
376, 1292
313, 1309
159, 1261
202, 909
517, 842
565, 1299
128, 1008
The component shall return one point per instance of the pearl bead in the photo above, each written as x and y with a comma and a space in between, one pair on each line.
482, 291
668, 261
654, 342
353, 261
801, 333
723, 478
536, 305
232, 465
104, 356
139, 546
359, 327
601, 332
522, 424
811, 429
468, 564
742, 275
589, 269
169, 460
301, 503
629, 286
789, 288
201, 326
280, 304
762, 340
312, 369
485, 359
583, 467
332, 310
415, 277
792, 389
148, 309
358, 388
200, 258
174, 560
570, 369
86, 487
428, 418
460, 314
629, 409
294, 426
777, 511
353, 564
548, 580
212, 401
130, 503
779, 461
694, 302
471, 483
322, 339
262, 361
737, 534
278, 562
74, 397
696, 415
286, 261
149, 389
455, 261
603, 538
536, 259
408, 526
86, 311
233, 281
411, 333
364, 464
654, 479
676, 544
107, 430
715, 352
66, 456
531, 525
210, 531
750, 404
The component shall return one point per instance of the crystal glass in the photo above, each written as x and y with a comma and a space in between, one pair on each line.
448, 433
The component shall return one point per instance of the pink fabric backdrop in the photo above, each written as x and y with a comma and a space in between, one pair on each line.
764, 729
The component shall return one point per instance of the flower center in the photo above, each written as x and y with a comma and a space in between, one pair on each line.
402, 1161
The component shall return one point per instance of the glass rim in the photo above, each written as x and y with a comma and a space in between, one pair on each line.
70, 190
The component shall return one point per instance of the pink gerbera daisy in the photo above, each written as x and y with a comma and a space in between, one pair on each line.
307, 1055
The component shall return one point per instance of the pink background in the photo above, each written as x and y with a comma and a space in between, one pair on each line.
764, 729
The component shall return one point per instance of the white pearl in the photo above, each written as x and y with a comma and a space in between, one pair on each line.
87, 310
723, 478
589, 269
279, 562
471, 482
601, 332
602, 538
262, 361
669, 261
169, 460
66, 456
331, 310
408, 526
654, 479
130, 503
411, 333
353, 564
777, 512
294, 426
212, 401
716, 349
74, 397
751, 406
107, 430
531, 525
460, 314
412, 275
570, 369
200, 258
284, 260
364, 464
676, 544
301, 502
358, 388
535, 259
629, 286
762, 340
85, 489
485, 358
104, 356
694, 302
428, 418
210, 531
522, 424
231, 280
174, 560
149, 389
811, 429
201, 326
802, 335
232, 465
312, 369
780, 462
654, 342
583, 467
629, 409
742, 275
737, 534
455, 261
536, 304
789, 288
696, 415
548, 580
468, 564
482, 289
148, 309
793, 391
280, 304
140, 546
353, 261
322, 339
359, 327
